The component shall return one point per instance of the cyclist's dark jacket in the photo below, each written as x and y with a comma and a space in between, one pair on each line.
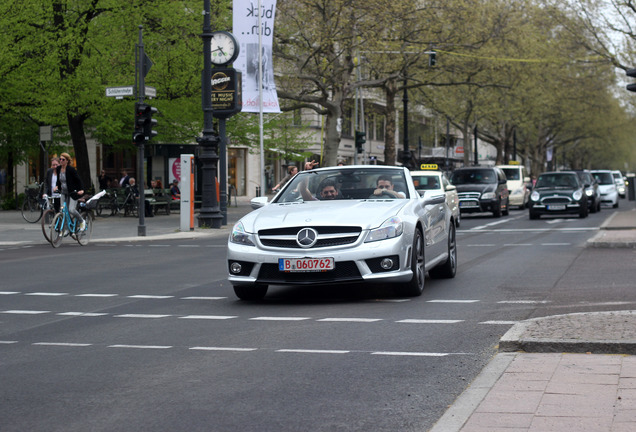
73, 180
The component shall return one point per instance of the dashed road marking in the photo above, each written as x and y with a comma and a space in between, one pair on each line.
360, 320
452, 301
312, 351
153, 316
45, 294
62, 344
208, 317
429, 321
266, 318
141, 346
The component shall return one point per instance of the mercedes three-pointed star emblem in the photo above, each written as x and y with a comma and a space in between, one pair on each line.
306, 237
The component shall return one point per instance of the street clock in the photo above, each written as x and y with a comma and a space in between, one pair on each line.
224, 48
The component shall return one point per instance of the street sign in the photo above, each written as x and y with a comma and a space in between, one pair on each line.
46, 133
119, 92
150, 91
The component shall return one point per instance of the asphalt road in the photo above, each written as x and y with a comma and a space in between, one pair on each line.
149, 336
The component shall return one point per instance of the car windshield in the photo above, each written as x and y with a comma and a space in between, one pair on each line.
512, 173
472, 176
345, 184
603, 178
426, 182
618, 177
557, 180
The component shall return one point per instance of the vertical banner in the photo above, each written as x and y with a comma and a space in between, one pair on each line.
246, 17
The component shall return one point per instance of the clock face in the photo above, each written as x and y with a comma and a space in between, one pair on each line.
224, 48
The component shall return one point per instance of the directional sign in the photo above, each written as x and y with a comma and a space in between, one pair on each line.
119, 91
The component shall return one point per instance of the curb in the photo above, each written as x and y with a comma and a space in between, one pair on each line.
564, 337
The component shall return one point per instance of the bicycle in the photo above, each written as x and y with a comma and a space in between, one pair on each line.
64, 224
48, 215
129, 206
33, 205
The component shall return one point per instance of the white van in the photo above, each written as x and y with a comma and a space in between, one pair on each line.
518, 180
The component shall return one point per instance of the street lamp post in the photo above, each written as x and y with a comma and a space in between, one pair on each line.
210, 214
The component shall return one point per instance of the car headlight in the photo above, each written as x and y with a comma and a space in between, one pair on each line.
577, 195
392, 227
534, 196
589, 192
240, 236
488, 195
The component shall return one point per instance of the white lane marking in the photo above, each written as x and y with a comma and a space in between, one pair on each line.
499, 222
523, 302
9, 292
482, 245
64, 344
141, 316
418, 354
25, 312
97, 295
141, 346
203, 298
144, 296
556, 244
518, 244
499, 322
7, 342
365, 320
200, 348
429, 321
209, 317
312, 351
452, 301
52, 294
189, 246
84, 314
158, 245
266, 318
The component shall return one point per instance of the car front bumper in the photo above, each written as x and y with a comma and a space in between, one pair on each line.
358, 262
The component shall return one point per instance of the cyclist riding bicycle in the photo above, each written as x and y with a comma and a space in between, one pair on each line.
69, 184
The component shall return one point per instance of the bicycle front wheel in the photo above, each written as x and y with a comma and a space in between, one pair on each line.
84, 236
47, 219
31, 210
56, 233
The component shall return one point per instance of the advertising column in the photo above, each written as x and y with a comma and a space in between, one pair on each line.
187, 192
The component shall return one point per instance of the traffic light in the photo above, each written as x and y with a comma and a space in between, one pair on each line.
432, 58
360, 138
631, 73
144, 123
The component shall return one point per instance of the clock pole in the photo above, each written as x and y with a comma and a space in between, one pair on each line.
210, 214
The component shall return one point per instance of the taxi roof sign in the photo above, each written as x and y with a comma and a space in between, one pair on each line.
429, 167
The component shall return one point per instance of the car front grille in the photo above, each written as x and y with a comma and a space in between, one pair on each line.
556, 200
285, 238
344, 271
469, 195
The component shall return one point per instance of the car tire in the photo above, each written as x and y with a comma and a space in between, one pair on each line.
615, 205
448, 268
497, 212
534, 215
584, 212
415, 287
250, 292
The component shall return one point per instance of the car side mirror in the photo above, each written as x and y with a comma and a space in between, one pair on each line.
258, 202
450, 187
430, 199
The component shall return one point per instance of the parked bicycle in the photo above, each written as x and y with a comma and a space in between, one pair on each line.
65, 225
112, 205
33, 205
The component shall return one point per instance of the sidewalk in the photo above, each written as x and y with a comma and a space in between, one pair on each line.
573, 372
14, 230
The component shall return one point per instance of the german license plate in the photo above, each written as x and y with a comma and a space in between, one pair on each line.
556, 207
297, 265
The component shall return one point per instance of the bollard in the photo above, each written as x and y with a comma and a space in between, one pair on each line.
258, 191
631, 188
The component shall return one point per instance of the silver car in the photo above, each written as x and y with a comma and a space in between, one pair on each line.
343, 224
